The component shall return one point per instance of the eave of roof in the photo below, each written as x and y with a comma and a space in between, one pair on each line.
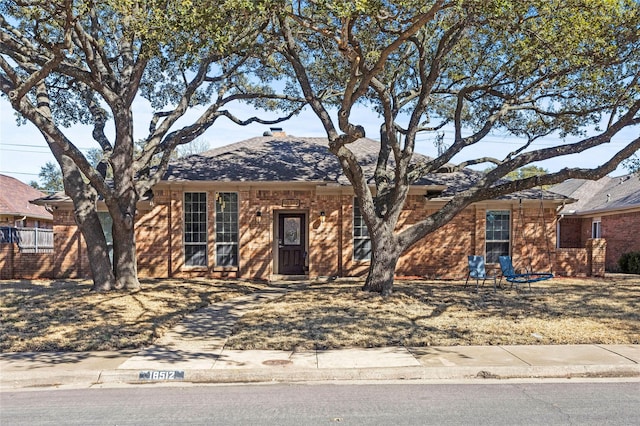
604, 196
294, 162
30, 215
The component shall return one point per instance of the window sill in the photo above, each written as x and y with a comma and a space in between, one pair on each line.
225, 269
195, 268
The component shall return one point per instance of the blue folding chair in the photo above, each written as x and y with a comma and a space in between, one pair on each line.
478, 272
506, 266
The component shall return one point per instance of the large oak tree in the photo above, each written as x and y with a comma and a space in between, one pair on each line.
65, 62
526, 68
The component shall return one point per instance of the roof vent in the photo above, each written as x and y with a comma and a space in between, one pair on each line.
277, 132
608, 197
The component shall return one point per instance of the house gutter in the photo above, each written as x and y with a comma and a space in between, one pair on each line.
603, 212
31, 215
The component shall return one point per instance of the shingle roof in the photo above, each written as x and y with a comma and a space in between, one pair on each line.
15, 197
276, 159
291, 159
606, 194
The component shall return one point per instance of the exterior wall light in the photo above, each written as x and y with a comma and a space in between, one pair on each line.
258, 216
323, 216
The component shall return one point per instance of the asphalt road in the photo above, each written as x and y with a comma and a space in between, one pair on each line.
577, 403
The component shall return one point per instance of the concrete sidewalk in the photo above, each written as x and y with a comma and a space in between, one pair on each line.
194, 351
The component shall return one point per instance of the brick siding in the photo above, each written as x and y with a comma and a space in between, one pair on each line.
622, 232
70, 254
571, 233
572, 262
442, 254
596, 254
30, 266
619, 230
582, 262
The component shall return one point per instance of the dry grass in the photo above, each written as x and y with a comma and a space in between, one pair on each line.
67, 316
425, 313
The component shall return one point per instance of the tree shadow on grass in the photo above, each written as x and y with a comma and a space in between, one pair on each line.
55, 316
423, 313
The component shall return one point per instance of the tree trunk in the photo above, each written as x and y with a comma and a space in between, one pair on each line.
124, 254
97, 251
122, 205
384, 259
86, 215
84, 199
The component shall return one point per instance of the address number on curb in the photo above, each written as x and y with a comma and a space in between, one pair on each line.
161, 375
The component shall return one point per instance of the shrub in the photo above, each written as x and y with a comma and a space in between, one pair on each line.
630, 262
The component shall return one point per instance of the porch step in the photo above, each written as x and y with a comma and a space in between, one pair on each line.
278, 277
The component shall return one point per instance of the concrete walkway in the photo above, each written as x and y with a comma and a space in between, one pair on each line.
194, 351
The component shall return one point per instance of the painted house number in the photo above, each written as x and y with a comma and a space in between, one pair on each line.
161, 375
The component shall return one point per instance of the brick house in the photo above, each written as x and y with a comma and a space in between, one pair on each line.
15, 208
279, 206
607, 209
25, 232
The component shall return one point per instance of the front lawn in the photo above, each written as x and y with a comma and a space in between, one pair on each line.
66, 316
436, 313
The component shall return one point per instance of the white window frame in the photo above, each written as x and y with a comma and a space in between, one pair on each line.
360, 234
227, 222
489, 258
596, 228
188, 235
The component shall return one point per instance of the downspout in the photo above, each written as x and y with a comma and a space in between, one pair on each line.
340, 270
558, 231
169, 235
20, 220
559, 209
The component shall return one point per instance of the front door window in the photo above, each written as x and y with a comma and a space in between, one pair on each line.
291, 244
291, 231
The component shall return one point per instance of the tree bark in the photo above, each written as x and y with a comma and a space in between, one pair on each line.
84, 199
124, 253
97, 251
384, 258
84, 203
122, 203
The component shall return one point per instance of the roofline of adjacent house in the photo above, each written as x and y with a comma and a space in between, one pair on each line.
602, 212
515, 201
28, 215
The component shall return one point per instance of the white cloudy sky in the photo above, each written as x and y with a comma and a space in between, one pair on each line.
23, 150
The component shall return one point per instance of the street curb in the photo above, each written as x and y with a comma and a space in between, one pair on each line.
87, 378
21, 380
392, 373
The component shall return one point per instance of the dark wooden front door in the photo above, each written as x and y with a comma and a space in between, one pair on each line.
291, 244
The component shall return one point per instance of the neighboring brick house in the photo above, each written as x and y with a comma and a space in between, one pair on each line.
608, 208
25, 232
276, 206
15, 207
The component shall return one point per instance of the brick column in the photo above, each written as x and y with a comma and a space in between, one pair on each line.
596, 256
6, 261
